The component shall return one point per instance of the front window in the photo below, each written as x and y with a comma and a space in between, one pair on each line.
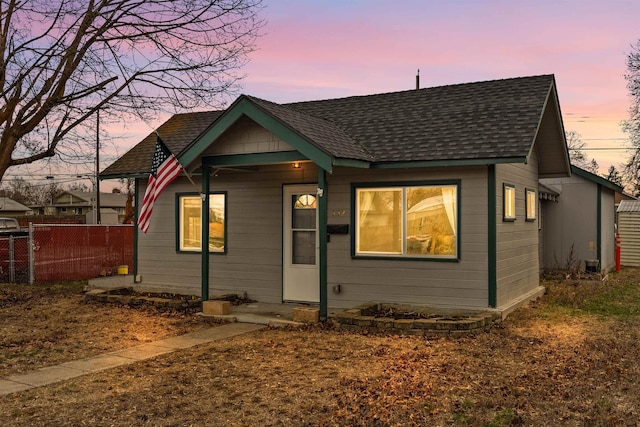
190, 219
407, 221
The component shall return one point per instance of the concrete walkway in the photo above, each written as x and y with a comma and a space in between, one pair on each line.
68, 370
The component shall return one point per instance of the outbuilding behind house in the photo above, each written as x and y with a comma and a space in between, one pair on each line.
629, 230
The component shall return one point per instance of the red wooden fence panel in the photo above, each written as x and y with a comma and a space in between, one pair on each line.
77, 252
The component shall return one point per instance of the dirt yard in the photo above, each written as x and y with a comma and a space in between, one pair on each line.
569, 359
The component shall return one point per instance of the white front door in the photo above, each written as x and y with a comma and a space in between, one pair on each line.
301, 280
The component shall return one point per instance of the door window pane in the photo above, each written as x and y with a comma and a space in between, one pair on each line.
303, 247
303, 215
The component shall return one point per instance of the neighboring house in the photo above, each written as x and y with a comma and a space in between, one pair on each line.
425, 196
578, 225
82, 202
629, 230
11, 208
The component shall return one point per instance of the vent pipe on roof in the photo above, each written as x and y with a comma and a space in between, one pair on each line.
418, 79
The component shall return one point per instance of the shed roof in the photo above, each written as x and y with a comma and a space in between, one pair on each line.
473, 123
629, 206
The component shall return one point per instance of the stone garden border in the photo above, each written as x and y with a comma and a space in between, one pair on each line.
119, 296
363, 317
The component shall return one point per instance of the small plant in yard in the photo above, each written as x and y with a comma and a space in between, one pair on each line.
505, 417
618, 295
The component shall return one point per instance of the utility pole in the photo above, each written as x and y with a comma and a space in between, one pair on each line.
97, 186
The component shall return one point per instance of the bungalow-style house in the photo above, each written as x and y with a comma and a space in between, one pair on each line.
426, 196
82, 202
578, 225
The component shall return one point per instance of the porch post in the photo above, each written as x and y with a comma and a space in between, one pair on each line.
205, 233
322, 229
599, 228
136, 204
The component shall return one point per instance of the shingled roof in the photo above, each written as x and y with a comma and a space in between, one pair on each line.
177, 133
489, 120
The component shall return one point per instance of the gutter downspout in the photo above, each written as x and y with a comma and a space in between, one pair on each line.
599, 227
492, 237
322, 229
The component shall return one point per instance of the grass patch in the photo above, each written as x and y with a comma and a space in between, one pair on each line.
617, 296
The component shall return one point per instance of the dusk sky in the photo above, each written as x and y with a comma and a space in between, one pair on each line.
317, 50
338, 48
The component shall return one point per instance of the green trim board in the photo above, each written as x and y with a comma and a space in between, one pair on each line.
439, 163
136, 184
492, 237
403, 185
253, 159
243, 106
599, 226
205, 233
322, 229
597, 179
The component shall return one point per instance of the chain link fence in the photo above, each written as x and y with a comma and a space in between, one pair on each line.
62, 252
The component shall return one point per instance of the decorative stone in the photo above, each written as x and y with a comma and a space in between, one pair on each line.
216, 308
404, 324
306, 314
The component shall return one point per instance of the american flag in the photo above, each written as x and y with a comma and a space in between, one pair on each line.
164, 169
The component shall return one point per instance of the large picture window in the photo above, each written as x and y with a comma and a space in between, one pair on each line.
189, 231
407, 221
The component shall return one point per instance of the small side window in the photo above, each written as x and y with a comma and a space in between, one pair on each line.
509, 198
531, 204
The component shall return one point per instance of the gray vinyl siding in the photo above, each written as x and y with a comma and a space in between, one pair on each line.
571, 231
517, 264
253, 262
461, 284
247, 137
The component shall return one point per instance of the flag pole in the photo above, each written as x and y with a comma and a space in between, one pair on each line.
184, 170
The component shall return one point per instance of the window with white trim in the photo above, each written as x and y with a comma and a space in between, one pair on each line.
509, 198
189, 231
407, 221
531, 204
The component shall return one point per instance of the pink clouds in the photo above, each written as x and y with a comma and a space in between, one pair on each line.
330, 49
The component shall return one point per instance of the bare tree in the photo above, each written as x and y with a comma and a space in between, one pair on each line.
30, 194
575, 145
63, 60
614, 176
592, 166
632, 125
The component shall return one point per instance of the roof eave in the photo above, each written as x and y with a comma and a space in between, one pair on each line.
244, 106
595, 178
447, 162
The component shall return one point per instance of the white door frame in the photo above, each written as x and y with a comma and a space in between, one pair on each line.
300, 279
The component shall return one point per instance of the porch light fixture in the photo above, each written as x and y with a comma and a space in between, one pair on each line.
296, 165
